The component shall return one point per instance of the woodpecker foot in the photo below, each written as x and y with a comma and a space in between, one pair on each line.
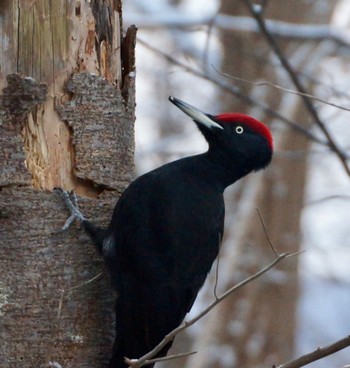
71, 202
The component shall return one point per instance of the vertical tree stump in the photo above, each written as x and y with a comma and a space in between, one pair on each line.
66, 120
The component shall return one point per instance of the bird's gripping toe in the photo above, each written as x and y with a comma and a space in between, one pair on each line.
71, 202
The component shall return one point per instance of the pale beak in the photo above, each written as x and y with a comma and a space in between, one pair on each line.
197, 115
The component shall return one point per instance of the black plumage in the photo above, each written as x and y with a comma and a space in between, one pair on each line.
166, 229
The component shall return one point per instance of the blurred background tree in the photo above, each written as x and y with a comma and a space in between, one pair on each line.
213, 57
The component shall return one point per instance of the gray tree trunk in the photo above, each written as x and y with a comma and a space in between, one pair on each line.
66, 120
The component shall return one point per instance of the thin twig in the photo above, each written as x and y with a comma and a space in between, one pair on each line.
206, 54
132, 362
236, 92
266, 83
247, 99
328, 198
298, 84
266, 233
217, 271
137, 363
280, 29
317, 354
63, 291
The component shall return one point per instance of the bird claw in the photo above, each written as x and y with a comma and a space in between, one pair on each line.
71, 202
68, 222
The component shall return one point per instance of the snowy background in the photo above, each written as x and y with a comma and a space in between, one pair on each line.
324, 305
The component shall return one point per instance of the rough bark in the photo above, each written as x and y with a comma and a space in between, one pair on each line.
66, 120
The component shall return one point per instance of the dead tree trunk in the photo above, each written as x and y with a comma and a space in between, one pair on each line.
66, 120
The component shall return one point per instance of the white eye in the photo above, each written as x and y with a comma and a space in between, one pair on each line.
239, 129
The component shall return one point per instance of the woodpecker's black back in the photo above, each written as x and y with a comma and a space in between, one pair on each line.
166, 229
167, 238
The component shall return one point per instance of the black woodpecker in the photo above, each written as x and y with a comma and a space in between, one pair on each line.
165, 231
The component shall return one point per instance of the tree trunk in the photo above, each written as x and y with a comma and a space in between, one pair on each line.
66, 120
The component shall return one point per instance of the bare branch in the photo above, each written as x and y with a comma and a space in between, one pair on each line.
298, 84
327, 198
217, 269
266, 233
317, 354
236, 92
217, 276
266, 83
310, 32
137, 363
132, 362
63, 291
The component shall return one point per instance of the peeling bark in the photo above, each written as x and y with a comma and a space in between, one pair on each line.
66, 120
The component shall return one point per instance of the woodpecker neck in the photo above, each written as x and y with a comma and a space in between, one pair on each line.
225, 169
214, 171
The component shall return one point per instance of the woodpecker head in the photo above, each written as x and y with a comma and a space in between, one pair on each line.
233, 137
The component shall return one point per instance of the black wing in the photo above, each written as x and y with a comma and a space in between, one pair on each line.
166, 232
